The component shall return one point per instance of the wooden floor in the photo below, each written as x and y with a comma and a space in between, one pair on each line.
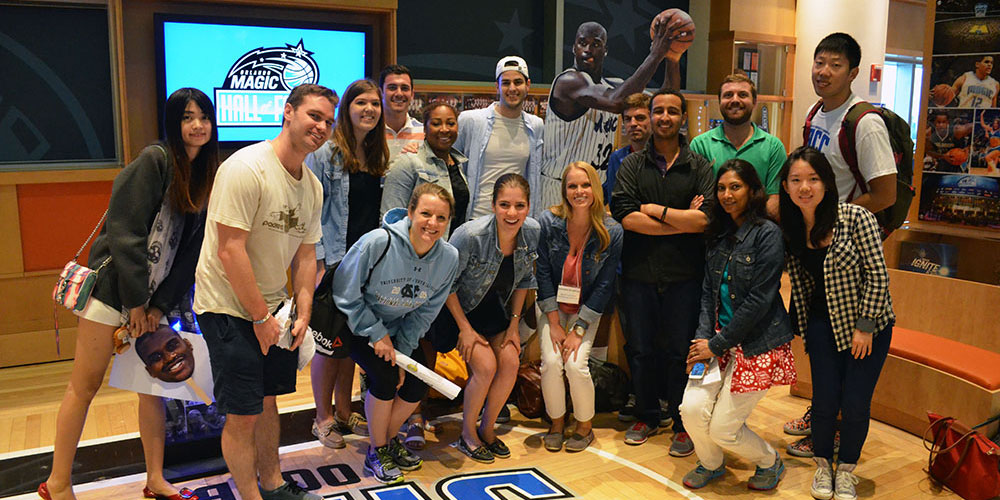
891, 465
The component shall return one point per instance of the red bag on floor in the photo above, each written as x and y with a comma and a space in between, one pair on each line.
962, 459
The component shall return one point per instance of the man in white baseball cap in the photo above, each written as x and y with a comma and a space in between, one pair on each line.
501, 138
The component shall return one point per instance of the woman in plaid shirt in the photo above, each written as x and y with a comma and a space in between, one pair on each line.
841, 307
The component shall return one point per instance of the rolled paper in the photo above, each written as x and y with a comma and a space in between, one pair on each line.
430, 377
198, 391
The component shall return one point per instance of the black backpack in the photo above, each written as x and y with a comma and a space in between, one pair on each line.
902, 151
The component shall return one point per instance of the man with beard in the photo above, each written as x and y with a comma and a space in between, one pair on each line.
635, 129
501, 138
739, 137
166, 354
401, 129
582, 117
662, 197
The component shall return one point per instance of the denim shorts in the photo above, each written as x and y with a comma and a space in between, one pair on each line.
242, 374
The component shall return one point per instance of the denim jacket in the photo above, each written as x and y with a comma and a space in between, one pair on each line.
475, 127
755, 255
597, 273
479, 258
408, 170
327, 163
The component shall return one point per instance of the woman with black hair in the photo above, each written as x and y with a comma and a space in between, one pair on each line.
840, 295
743, 337
157, 209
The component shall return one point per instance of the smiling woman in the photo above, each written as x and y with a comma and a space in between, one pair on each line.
436, 161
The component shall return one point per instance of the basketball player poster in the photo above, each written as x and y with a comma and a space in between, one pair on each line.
165, 363
963, 119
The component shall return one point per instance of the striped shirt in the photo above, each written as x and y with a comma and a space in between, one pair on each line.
412, 131
589, 137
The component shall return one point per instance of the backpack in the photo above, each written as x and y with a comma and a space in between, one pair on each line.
902, 152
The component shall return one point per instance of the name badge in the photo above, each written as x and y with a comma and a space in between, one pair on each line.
568, 294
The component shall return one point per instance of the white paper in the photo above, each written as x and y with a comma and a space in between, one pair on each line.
712, 372
129, 372
308, 347
430, 377
568, 295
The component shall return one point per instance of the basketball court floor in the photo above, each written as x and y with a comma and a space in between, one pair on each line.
892, 464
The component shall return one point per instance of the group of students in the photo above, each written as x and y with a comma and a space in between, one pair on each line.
406, 286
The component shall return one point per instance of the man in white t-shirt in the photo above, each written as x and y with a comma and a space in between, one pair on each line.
263, 215
501, 138
401, 129
835, 66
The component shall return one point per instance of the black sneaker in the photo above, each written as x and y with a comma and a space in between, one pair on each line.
288, 491
378, 461
502, 418
627, 413
402, 457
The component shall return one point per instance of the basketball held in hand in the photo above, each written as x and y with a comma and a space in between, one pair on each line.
956, 156
680, 29
942, 94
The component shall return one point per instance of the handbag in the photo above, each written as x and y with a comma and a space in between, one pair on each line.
528, 390
328, 322
962, 459
76, 282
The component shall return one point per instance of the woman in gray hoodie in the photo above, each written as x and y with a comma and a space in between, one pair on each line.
391, 284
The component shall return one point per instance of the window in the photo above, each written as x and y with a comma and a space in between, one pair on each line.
901, 85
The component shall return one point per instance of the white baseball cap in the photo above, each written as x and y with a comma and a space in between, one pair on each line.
512, 63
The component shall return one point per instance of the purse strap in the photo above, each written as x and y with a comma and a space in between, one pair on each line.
92, 233
388, 244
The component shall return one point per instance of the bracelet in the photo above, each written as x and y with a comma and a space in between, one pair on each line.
515, 315
664, 214
263, 320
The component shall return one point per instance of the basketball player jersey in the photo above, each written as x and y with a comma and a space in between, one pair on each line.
977, 93
589, 138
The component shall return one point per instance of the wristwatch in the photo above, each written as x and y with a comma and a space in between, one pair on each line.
579, 330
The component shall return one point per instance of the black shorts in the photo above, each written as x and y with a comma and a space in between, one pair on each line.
242, 374
383, 377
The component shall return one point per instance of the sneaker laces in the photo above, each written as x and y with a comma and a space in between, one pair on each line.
823, 478
846, 480
384, 457
294, 488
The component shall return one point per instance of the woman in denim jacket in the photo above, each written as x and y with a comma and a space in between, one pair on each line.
350, 167
495, 271
840, 295
436, 161
743, 337
578, 255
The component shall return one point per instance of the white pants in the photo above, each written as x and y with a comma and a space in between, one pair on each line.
581, 387
715, 418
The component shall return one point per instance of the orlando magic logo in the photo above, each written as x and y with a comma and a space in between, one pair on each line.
258, 83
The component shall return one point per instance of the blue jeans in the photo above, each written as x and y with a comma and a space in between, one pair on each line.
842, 384
660, 321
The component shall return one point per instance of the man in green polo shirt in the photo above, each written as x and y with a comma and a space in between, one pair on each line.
738, 137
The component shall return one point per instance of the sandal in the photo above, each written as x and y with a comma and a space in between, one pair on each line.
481, 454
183, 494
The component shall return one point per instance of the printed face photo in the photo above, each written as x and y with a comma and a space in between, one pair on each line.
166, 355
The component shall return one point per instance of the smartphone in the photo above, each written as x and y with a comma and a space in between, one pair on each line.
697, 371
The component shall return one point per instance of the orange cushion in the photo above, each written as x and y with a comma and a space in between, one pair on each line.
979, 366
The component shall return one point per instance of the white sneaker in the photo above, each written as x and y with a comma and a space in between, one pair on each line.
845, 482
822, 485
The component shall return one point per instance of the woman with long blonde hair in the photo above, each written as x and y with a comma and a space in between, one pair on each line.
578, 252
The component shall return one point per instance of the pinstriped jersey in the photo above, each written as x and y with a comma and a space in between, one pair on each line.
589, 137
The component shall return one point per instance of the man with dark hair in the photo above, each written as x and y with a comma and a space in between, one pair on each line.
835, 66
401, 129
501, 138
739, 137
944, 138
167, 356
264, 215
635, 129
582, 117
662, 197
974, 89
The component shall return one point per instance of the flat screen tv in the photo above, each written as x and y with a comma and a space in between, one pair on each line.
248, 66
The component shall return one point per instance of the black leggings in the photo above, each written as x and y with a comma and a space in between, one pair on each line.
383, 377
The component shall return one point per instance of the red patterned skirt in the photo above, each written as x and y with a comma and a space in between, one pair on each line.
760, 372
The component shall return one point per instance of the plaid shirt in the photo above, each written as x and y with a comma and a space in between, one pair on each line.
855, 277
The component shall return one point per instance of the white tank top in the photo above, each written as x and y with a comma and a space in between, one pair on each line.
975, 93
590, 137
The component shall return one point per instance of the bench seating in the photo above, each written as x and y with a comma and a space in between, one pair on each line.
954, 371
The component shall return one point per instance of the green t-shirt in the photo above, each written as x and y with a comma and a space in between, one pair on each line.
764, 151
